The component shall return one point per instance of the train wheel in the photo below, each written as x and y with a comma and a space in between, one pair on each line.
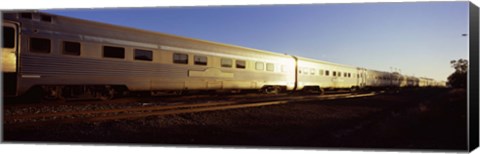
321, 91
52, 92
236, 91
105, 93
272, 90
179, 92
353, 90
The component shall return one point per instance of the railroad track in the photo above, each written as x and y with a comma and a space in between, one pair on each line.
147, 111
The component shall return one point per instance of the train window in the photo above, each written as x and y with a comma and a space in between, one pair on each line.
113, 52
345, 74
40, 45
200, 60
26, 15
270, 67
334, 73
71, 48
327, 72
180, 58
304, 70
240, 64
8, 37
224, 62
312, 71
282, 68
320, 72
46, 18
259, 66
146, 55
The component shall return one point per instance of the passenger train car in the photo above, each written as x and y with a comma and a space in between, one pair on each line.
65, 57
315, 75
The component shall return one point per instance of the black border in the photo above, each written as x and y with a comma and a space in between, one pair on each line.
473, 79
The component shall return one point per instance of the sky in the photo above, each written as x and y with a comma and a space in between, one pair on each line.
416, 38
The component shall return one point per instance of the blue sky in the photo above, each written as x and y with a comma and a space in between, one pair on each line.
418, 38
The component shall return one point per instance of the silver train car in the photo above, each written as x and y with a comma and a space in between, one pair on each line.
61, 57
318, 76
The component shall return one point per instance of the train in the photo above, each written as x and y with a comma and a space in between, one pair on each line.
61, 57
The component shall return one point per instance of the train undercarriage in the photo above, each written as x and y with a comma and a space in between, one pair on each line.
107, 92
62, 92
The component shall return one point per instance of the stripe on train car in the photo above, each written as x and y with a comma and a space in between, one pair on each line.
31, 76
155, 46
279, 61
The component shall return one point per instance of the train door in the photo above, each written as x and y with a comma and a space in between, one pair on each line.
9, 58
361, 77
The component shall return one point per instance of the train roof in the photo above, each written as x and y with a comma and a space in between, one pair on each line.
324, 62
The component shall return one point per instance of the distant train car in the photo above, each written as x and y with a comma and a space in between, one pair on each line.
403, 81
441, 84
426, 82
378, 79
396, 80
411, 81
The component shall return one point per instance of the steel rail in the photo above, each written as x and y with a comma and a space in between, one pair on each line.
222, 107
111, 110
140, 112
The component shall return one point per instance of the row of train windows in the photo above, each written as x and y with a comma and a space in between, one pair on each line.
42, 45
334, 73
385, 78
325, 73
182, 58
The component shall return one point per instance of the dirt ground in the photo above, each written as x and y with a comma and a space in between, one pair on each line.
428, 119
